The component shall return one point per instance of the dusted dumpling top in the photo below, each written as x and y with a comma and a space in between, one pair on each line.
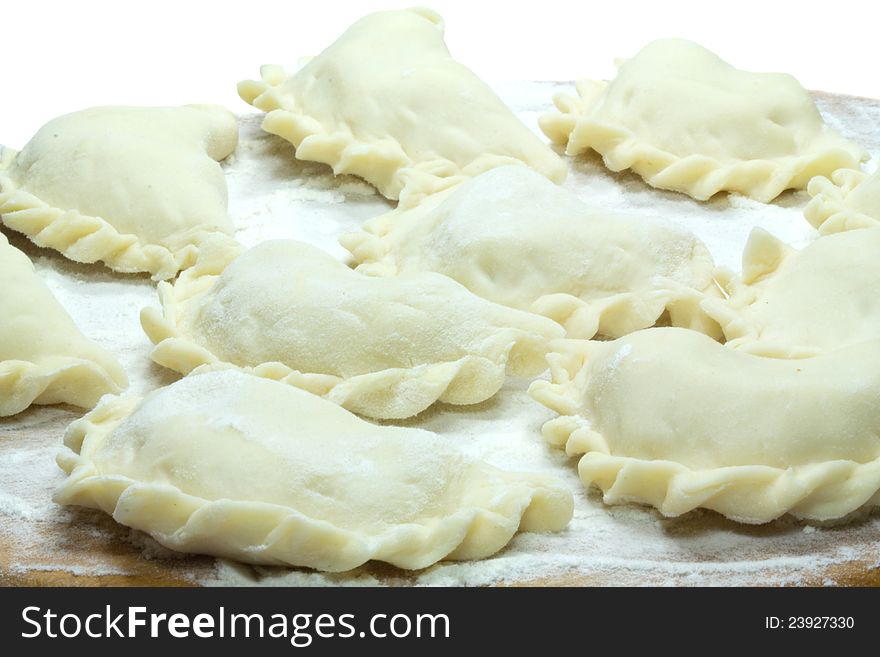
685, 120
138, 188
235, 465
513, 237
671, 418
386, 102
382, 347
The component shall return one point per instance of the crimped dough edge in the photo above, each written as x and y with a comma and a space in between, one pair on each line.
394, 393
763, 256
612, 316
828, 210
698, 176
273, 534
382, 162
750, 494
88, 239
63, 379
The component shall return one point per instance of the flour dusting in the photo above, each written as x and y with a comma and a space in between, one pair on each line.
273, 195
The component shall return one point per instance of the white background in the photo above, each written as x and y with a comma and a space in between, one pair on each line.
63, 56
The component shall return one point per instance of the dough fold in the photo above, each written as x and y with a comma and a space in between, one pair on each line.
685, 120
237, 466
670, 418
512, 237
387, 103
848, 201
137, 188
384, 348
44, 358
797, 304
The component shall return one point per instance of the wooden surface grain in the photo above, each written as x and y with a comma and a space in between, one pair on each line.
88, 549
83, 547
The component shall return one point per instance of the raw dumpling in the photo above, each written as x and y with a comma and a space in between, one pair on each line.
237, 466
384, 348
851, 199
794, 304
514, 238
671, 418
685, 120
386, 102
44, 359
138, 188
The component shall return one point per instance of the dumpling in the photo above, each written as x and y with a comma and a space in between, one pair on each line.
44, 359
794, 304
237, 466
511, 236
138, 188
671, 418
851, 199
685, 120
387, 103
384, 348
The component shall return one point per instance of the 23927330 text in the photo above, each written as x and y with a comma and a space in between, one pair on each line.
809, 622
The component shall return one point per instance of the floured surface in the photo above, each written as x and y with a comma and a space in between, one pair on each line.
272, 195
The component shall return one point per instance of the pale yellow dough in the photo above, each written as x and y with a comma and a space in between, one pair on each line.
384, 348
387, 103
138, 188
671, 418
685, 120
796, 304
849, 200
511, 236
238, 466
44, 358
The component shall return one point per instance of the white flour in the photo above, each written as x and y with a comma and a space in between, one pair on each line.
273, 195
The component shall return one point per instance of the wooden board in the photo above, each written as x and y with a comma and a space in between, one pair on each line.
41, 544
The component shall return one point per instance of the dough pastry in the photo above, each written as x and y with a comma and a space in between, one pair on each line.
238, 466
671, 418
387, 103
685, 120
511, 236
851, 199
384, 348
791, 304
137, 188
44, 359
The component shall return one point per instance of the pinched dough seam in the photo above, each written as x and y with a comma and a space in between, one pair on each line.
612, 316
393, 393
626, 312
748, 493
697, 176
88, 239
70, 380
763, 257
745, 336
278, 535
371, 253
382, 162
828, 209
370, 247
751, 494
